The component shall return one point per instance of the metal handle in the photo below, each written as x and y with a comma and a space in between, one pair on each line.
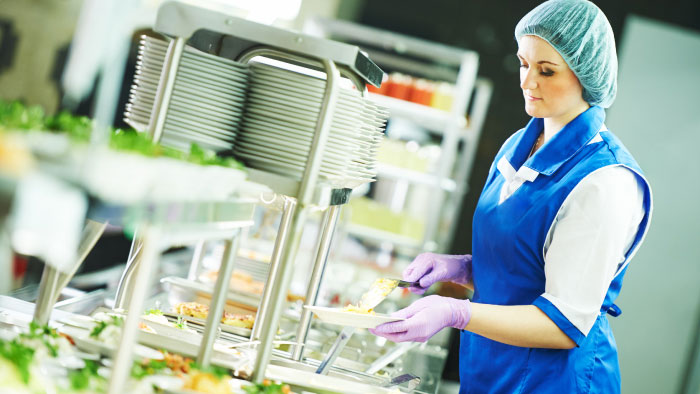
413, 380
390, 356
337, 347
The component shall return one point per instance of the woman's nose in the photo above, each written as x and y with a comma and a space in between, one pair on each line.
527, 79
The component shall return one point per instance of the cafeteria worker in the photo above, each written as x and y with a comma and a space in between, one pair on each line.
564, 209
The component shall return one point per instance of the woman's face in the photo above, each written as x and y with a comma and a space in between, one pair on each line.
550, 88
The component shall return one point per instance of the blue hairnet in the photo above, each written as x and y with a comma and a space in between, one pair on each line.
582, 35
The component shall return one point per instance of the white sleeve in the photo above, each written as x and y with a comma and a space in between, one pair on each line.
590, 236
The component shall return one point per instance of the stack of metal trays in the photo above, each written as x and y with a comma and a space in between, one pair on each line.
207, 102
279, 122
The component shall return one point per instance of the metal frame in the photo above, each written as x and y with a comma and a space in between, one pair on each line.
182, 21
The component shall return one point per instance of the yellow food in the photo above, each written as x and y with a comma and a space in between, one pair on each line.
231, 319
357, 309
193, 309
376, 293
205, 382
201, 311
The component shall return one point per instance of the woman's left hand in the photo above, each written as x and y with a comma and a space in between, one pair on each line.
424, 318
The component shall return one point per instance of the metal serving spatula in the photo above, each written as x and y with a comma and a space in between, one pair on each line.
379, 290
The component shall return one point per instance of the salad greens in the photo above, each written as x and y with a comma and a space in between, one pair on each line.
267, 387
21, 354
80, 378
16, 116
141, 370
154, 311
42, 333
101, 325
18, 354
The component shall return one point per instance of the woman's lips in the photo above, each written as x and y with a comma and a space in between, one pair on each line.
530, 98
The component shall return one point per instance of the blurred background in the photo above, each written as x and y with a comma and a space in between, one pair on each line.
656, 114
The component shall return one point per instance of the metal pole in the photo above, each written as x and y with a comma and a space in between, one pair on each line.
123, 359
199, 252
48, 293
53, 281
126, 282
304, 196
278, 294
165, 88
91, 234
272, 278
218, 300
324, 243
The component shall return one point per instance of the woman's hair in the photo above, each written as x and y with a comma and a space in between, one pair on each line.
582, 35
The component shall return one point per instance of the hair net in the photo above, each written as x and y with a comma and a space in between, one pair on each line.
582, 35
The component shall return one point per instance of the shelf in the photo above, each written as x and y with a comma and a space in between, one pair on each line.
415, 177
428, 117
383, 236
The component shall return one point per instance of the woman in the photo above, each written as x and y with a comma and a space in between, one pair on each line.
564, 209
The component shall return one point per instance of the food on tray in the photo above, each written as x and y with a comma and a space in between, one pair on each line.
193, 309
147, 328
376, 293
156, 316
268, 387
207, 382
244, 283
177, 363
16, 116
108, 328
245, 321
240, 281
201, 311
25, 360
357, 309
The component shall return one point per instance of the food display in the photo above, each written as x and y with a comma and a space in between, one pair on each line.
15, 116
268, 387
201, 311
170, 197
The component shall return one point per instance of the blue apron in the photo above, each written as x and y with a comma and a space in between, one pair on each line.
508, 263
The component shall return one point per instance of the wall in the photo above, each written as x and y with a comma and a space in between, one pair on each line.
657, 116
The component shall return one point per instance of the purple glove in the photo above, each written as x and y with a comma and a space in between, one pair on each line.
429, 268
424, 318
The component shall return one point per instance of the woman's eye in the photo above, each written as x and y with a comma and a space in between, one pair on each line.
523, 66
547, 73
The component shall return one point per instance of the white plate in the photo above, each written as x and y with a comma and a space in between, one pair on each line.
350, 319
173, 128
198, 138
216, 132
339, 136
265, 137
213, 92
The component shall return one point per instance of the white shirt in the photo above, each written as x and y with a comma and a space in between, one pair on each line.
588, 240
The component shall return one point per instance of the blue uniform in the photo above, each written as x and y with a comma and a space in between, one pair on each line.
508, 264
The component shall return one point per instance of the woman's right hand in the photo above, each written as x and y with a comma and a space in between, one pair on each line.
429, 268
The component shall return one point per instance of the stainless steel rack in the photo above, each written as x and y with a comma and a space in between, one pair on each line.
241, 40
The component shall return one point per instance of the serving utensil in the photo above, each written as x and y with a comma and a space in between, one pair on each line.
379, 290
